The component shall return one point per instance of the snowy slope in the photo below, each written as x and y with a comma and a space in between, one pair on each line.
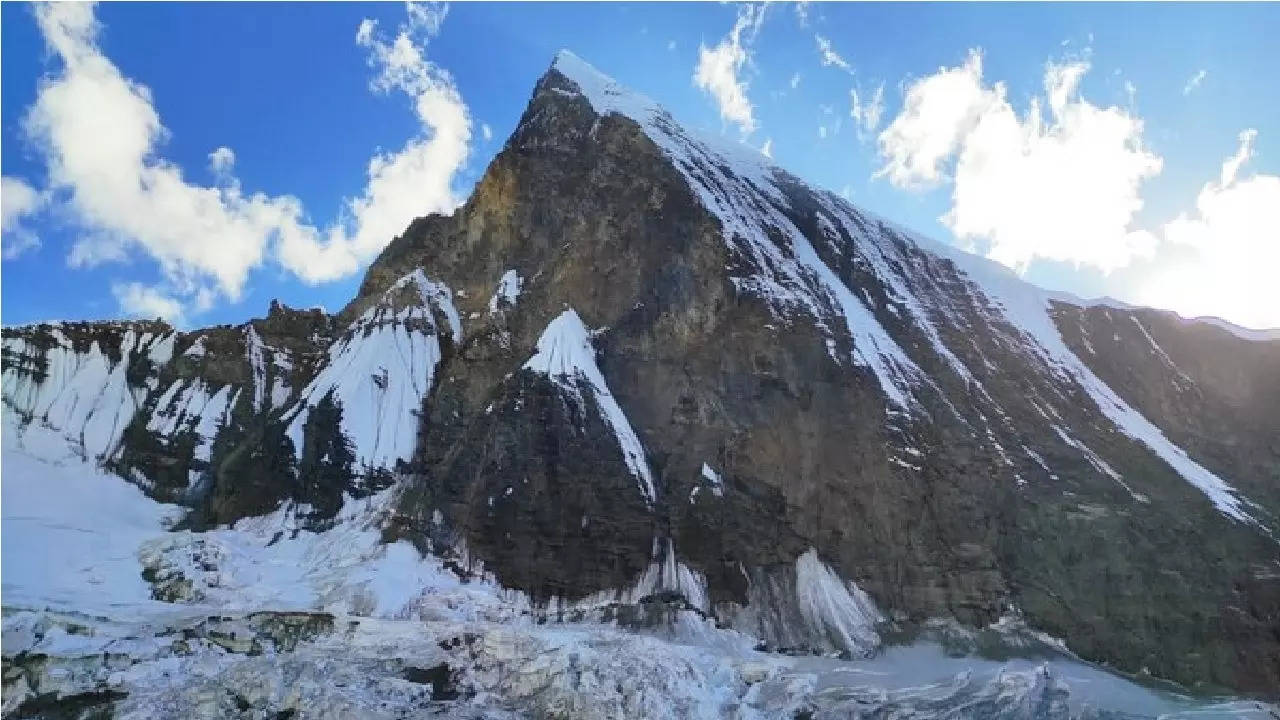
71, 532
81, 392
381, 369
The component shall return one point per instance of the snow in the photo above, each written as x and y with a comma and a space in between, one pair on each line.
75, 540
1186, 382
266, 377
1244, 333
507, 292
713, 477
1035, 456
381, 370
197, 349
192, 402
85, 395
565, 354
1097, 462
70, 531
1026, 307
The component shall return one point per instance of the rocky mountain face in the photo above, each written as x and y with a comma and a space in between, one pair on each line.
640, 368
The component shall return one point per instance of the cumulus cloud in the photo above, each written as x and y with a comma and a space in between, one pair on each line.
1231, 248
719, 69
1194, 82
99, 134
18, 200
1062, 185
415, 181
767, 149
142, 301
221, 161
795, 81
98, 131
829, 56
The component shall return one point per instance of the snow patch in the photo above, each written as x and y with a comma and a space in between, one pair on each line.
507, 292
565, 355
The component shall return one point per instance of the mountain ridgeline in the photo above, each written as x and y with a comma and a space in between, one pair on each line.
642, 366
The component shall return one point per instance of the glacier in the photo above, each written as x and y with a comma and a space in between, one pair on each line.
334, 624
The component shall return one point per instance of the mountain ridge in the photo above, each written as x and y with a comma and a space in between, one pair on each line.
742, 317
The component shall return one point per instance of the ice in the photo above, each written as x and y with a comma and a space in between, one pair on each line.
834, 608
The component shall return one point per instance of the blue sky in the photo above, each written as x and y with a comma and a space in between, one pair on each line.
1150, 175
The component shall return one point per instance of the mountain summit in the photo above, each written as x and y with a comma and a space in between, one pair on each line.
645, 374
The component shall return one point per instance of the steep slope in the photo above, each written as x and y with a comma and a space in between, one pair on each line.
912, 415
642, 373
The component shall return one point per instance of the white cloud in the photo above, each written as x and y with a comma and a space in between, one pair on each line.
719, 69
221, 161
486, 132
671, 45
802, 12
1063, 187
1194, 82
795, 81
141, 301
415, 181
18, 200
830, 56
822, 132
767, 149
1231, 249
866, 115
99, 132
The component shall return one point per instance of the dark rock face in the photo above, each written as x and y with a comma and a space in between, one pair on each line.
805, 380
537, 489
944, 510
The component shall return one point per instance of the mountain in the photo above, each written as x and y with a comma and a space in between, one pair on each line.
646, 377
